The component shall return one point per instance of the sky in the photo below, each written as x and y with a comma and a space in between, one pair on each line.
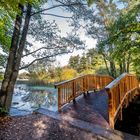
65, 28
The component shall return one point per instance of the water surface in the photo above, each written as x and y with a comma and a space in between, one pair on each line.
26, 99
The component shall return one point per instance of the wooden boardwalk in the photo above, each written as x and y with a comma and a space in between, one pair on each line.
102, 107
92, 108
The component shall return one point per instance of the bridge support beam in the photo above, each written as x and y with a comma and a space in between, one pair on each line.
84, 94
111, 122
121, 114
74, 101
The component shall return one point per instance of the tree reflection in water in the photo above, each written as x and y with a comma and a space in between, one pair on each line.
32, 98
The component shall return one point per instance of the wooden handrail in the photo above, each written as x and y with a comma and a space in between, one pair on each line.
70, 89
66, 81
120, 93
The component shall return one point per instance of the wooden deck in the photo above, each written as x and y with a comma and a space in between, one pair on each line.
92, 108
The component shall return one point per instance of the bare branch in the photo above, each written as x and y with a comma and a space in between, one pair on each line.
45, 48
56, 6
36, 51
55, 15
60, 1
38, 59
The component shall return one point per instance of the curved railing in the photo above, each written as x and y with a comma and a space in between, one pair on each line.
69, 90
120, 92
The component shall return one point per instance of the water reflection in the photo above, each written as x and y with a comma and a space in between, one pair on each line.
31, 98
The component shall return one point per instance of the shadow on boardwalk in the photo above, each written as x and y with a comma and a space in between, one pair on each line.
91, 108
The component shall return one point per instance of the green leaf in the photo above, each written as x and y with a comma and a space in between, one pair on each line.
90, 2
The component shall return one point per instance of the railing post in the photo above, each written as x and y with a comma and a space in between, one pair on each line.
84, 91
87, 83
73, 92
59, 98
110, 108
85, 79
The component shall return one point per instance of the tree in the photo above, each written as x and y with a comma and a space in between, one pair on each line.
19, 40
12, 67
124, 34
68, 74
74, 62
8, 12
94, 58
96, 26
117, 31
83, 63
108, 12
58, 71
89, 63
38, 74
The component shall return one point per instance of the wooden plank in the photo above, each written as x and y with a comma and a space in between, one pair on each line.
120, 93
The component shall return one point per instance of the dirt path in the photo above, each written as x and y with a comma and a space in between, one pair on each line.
40, 127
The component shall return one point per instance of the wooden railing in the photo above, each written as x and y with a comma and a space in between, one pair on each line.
120, 92
69, 90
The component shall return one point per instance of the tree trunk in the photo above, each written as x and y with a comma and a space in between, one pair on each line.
107, 68
11, 58
113, 69
16, 63
124, 64
128, 62
121, 68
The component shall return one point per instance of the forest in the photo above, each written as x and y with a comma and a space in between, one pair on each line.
114, 24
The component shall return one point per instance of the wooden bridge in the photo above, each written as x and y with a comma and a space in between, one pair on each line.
119, 91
